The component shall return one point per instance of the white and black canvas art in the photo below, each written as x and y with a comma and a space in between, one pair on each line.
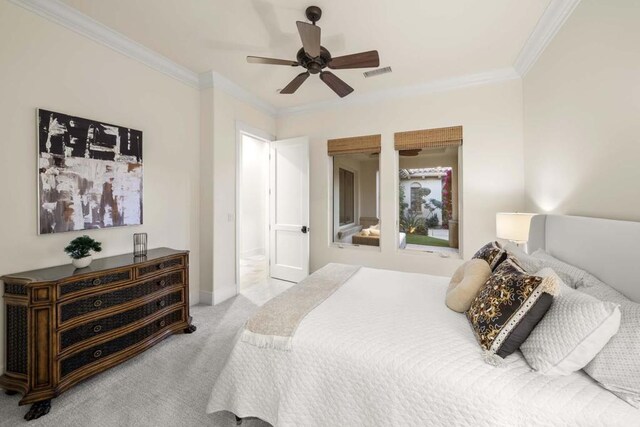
90, 174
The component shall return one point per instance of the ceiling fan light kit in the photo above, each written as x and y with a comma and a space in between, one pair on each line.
315, 58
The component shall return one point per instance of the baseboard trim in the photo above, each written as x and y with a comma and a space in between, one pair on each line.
206, 298
252, 252
224, 294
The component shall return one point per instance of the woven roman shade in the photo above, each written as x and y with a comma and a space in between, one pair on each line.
358, 144
429, 138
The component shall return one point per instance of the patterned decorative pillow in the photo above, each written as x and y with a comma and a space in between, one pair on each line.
574, 330
617, 366
492, 253
508, 307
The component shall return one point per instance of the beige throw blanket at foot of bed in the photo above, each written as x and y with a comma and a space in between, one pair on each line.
275, 323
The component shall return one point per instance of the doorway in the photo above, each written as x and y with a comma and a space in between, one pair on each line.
272, 213
253, 209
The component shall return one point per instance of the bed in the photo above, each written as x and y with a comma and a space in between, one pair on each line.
385, 350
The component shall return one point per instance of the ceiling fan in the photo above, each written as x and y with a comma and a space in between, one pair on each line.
404, 153
315, 58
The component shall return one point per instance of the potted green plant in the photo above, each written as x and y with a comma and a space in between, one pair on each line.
80, 249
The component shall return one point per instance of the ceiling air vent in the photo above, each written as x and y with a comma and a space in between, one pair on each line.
377, 72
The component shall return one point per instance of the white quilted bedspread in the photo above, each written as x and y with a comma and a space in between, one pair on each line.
384, 350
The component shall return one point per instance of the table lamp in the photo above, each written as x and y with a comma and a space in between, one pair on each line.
513, 226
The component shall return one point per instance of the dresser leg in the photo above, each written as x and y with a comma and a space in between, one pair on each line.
38, 409
10, 392
190, 329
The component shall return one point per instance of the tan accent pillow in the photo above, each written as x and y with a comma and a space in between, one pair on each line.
465, 284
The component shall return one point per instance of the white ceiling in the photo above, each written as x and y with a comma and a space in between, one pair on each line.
422, 40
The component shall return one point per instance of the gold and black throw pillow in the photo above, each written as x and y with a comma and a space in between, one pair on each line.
492, 253
508, 307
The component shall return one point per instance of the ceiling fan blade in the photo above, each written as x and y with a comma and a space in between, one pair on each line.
409, 153
336, 84
310, 36
272, 61
356, 60
295, 83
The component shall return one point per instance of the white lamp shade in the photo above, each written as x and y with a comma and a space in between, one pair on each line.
513, 226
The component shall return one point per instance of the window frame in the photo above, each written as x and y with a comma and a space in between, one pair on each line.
458, 174
335, 163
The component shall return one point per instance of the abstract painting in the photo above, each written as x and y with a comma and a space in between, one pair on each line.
89, 174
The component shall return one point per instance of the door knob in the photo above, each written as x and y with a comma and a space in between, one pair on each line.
305, 229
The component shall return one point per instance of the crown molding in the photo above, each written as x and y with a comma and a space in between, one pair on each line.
484, 78
65, 15
547, 27
218, 81
56, 11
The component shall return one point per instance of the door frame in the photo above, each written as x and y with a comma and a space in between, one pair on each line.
245, 129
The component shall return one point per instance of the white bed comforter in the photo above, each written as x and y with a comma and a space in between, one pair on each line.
384, 350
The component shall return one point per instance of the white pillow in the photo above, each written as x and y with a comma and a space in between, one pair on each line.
570, 274
526, 261
572, 333
617, 366
374, 232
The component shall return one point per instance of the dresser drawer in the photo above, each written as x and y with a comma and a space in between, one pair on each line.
116, 345
98, 327
72, 287
105, 300
159, 266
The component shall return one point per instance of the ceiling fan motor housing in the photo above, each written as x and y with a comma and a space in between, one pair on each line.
314, 65
314, 13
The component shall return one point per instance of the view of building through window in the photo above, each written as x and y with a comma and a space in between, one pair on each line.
427, 197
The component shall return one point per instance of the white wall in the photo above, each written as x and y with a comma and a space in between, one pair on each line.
254, 203
492, 156
582, 115
46, 65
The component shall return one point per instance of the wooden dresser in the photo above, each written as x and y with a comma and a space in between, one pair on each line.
64, 325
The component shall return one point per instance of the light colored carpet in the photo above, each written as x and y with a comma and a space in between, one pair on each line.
168, 385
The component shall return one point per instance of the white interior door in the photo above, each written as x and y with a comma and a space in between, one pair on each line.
289, 204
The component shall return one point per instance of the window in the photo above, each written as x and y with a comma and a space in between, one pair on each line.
355, 200
428, 206
347, 194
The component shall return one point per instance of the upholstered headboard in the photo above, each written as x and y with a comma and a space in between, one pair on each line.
608, 249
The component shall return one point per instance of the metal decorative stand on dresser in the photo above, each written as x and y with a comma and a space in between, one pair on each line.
65, 325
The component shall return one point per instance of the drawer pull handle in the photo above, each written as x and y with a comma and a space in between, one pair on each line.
97, 328
162, 303
161, 266
97, 303
162, 283
162, 323
96, 282
97, 353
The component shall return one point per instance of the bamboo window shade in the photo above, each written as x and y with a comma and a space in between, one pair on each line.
358, 144
429, 138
